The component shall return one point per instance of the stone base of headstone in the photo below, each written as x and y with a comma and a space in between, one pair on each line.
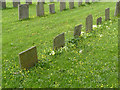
77, 31
52, 8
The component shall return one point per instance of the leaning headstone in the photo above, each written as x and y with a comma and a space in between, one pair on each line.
23, 11
52, 8
40, 8
89, 23
2, 4
62, 5
99, 20
29, 1
117, 9
59, 41
71, 4
77, 31
79, 3
15, 3
87, 1
28, 58
107, 14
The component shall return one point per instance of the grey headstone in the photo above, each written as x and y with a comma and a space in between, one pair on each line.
23, 11
62, 5
77, 31
52, 8
117, 9
15, 3
99, 20
71, 4
28, 58
87, 1
79, 3
89, 23
40, 9
29, 1
59, 41
2, 4
107, 14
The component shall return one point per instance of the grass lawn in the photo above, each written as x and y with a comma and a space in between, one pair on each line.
91, 61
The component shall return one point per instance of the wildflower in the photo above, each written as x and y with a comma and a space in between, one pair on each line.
80, 51
52, 53
82, 33
100, 35
94, 26
99, 25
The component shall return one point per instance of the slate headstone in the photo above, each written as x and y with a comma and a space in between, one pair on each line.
79, 3
59, 41
15, 3
62, 5
29, 1
28, 58
2, 4
99, 20
71, 4
117, 9
107, 14
52, 8
89, 23
40, 8
77, 31
23, 11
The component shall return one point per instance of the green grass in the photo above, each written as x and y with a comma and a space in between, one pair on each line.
96, 66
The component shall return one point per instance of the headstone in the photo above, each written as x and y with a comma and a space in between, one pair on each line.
79, 3
28, 58
99, 20
71, 4
89, 23
62, 5
2, 4
117, 9
59, 41
87, 1
107, 14
77, 31
51, 0
29, 1
40, 9
23, 11
15, 3
52, 8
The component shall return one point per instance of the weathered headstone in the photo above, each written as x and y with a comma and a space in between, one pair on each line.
15, 3
40, 8
2, 4
29, 1
52, 8
77, 31
99, 20
107, 14
117, 9
28, 58
71, 4
87, 1
62, 5
89, 23
59, 41
79, 3
23, 11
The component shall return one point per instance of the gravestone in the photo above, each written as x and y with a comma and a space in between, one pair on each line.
89, 23
2, 4
29, 1
51, 0
40, 9
107, 14
71, 4
59, 41
79, 3
52, 8
15, 3
62, 5
117, 9
28, 58
23, 11
99, 20
87, 1
77, 31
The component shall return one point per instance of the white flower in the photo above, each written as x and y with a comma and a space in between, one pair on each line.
100, 35
106, 26
52, 53
94, 26
82, 33
99, 25
80, 51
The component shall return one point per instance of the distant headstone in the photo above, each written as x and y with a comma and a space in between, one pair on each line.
51, 0
40, 9
77, 31
71, 4
23, 11
28, 58
79, 3
99, 20
87, 1
89, 23
62, 5
107, 14
59, 41
15, 3
2, 4
117, 9
29, 1
52, 8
